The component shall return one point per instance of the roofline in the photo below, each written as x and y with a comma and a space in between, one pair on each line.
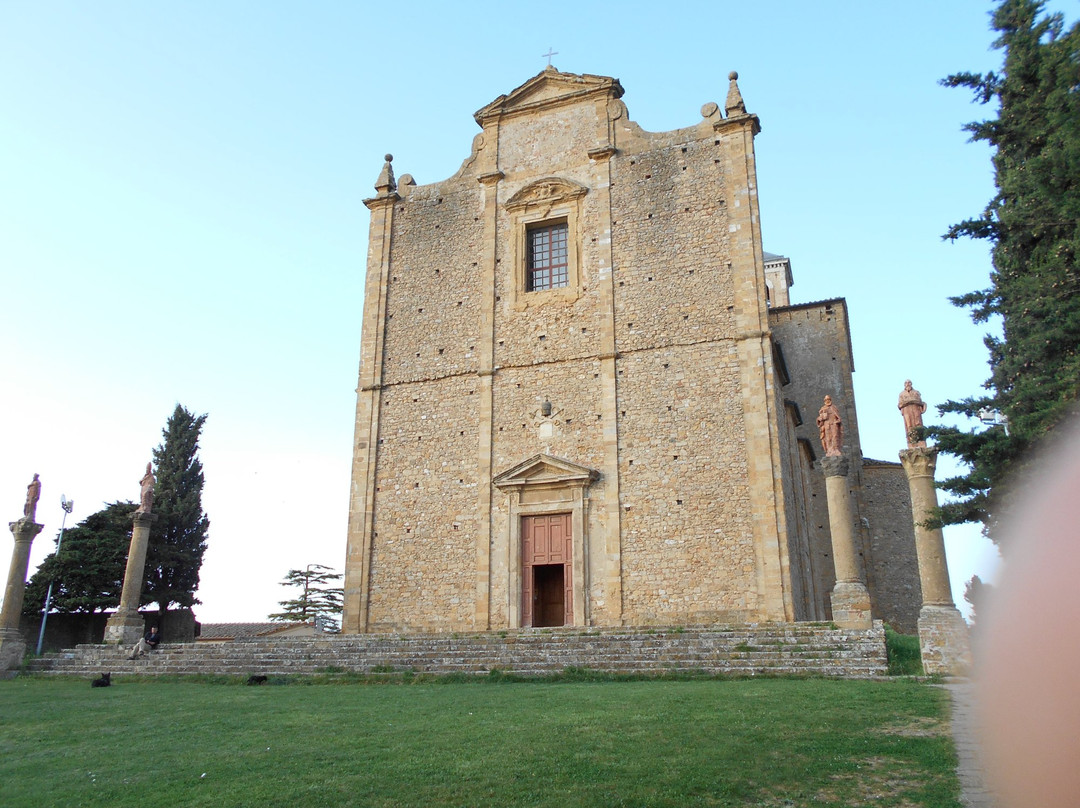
815, 304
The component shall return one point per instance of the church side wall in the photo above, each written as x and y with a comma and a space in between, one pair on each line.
897, 597
814, 344
796, 503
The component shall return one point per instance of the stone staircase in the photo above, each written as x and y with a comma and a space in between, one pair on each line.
771, 649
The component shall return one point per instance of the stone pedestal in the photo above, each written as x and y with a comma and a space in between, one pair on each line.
127, 626
12, 645
849, 598
944, 640
943, 634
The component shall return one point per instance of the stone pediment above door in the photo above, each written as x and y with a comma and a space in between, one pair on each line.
547, 471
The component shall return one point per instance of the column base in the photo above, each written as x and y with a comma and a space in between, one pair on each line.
945, 641
851, 605
12, 649
124, 629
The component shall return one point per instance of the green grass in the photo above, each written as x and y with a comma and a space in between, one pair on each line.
490, 741
905, 657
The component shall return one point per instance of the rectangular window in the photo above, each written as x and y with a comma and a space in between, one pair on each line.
547, 256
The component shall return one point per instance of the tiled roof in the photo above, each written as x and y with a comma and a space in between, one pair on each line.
232, 631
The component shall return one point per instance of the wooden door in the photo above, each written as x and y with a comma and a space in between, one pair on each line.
547, 546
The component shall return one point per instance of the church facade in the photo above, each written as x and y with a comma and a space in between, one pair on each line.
585, 397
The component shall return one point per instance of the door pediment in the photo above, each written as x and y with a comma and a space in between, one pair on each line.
545, 470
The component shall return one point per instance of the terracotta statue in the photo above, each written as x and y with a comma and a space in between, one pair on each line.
831, 429
912, 407
33, 494
146, 492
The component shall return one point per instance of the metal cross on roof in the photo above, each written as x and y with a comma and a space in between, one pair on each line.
549, 54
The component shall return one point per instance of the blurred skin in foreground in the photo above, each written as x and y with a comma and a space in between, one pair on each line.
1028, 662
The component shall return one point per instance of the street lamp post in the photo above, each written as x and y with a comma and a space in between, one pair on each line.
67, 505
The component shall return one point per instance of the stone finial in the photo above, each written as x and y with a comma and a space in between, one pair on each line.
146, 492
830, 429
33, 494
912, 407
385, 184
734, 104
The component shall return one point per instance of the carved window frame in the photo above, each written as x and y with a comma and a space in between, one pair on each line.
546, 202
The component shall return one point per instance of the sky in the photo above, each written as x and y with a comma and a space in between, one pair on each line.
181, 221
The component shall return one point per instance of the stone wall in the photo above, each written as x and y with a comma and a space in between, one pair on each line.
647, 381
815, 341
69, 630
886, 504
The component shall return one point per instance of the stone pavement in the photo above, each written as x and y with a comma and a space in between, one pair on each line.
975, 791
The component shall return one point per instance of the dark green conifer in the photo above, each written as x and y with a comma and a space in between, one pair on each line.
178, 535
1033, 224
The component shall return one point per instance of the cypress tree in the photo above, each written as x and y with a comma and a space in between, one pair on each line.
178, 536
1033, 224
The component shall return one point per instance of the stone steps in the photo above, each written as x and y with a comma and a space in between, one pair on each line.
816, 649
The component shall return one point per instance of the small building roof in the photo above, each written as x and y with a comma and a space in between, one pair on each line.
235, 631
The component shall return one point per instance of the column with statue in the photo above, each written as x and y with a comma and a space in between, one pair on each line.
12, 645
126, 627
849, 598
943, 634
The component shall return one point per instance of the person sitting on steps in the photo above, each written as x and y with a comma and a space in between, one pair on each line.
146, 644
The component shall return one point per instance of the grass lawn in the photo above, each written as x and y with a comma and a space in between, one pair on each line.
765, 742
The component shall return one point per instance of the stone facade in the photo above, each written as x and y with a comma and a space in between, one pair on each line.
623, 448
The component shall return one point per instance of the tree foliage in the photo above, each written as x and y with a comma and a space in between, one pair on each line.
1033, 224
316, 597
977, 594
87, 574
178, 536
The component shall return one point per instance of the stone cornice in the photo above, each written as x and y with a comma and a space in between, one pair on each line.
381, 201
738, 121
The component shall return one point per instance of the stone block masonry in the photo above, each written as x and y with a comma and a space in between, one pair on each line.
572, 334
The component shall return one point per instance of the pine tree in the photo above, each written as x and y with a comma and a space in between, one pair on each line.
1033, 223
316, 598
178, 535
87, 574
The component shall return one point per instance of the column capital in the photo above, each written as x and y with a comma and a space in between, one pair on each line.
141, 518
833, 466
920, 461
25, 529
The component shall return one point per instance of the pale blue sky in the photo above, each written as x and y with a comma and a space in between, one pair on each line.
181, 220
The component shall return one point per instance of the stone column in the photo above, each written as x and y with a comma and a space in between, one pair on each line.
850, 598
12, 645
126, 627
943, 634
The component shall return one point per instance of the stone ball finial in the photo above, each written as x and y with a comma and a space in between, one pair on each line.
733, 75
389, 158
